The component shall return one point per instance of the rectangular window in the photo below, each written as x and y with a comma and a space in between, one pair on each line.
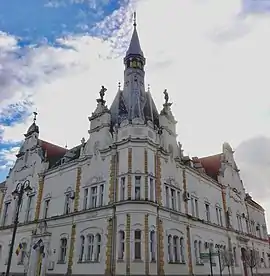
167, 197
101, 195
152, 190
46, 208
207, 212
122, 188
193, 206
137, 187
67, 204
196, 207
94, 197
85, 199
179, 201
29, 208
173, 201
5, 213
137, 245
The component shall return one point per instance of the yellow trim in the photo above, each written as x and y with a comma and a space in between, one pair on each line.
109, 247
190, 266
128, 223
158, 178
146, 243
160, 266
39, 264
185, 189
40, 194
146, 173
129, 172
71, 248
77, 189
112, 177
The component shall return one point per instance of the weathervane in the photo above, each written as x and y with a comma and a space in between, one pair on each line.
134, 19
35, 116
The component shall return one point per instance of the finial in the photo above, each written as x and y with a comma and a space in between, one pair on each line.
35, 116
83, 141
119, 85
66, 145
166, 96
148, 88
134, 19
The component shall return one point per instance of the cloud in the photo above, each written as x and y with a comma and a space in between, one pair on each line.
214, 64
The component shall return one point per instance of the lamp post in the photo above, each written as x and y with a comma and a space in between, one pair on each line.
17, 194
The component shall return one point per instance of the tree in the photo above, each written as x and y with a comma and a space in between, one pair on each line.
226, 259
251, 259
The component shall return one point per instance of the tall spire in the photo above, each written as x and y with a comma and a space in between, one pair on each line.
134, 46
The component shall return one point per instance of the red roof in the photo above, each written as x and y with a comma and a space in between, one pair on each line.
52, 149
211, 165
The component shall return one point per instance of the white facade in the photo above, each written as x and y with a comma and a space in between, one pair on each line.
127, 201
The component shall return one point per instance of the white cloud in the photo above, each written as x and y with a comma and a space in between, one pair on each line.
213, 62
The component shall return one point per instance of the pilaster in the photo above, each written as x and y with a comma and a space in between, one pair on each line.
108, 263
39, 196
129, 172
160, 245
71, 249
128, 225
77, 189
158, 178
185, 189
112, 178
1, 201
190, 267
146, 243
146, 173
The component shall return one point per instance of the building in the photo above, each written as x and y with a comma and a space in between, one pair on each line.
126, 201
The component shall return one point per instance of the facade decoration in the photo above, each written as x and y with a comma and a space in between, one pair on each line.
126, 200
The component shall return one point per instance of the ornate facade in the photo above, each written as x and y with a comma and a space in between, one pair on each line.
126, 201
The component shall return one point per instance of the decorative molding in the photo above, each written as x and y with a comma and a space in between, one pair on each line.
108, 262
146, 173
39, 197
189, 251
128, 222
146, 243
71, 249
129, 171
77, 189
158, 178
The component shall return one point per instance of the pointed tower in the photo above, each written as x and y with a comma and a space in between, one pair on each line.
134, 105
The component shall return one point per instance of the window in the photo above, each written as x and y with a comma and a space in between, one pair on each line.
152, 246
173, 199
258, 231
8, 252
85, 199
170, 255
67, 204
94, 197
196, 207
5, 213
179, 201
182, 250
196, 252
263, 259
219, 215
193, 207
137, 244
207, 212
82, 248
137, 187
90, 251
235, 257
101, 195
23, 253
152, 190
63, 250
121, 250
29, 208
98, 247
247, 226
122, 188
167, 197
175, 249
239, 223
200, 251
46, 208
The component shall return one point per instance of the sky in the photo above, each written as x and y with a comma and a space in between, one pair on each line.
211, 55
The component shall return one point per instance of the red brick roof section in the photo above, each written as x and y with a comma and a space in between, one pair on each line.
211, 165
52, 150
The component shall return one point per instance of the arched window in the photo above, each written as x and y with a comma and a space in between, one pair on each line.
63, 250
90, 249
170, 255
82, 248
152, 246
121, 250
196, 251
182, 250
98, 246
176, 249
200, 251
137, 244
23, 253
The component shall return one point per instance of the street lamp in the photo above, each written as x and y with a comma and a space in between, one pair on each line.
17, 194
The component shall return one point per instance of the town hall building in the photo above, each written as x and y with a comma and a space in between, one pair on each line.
126, 201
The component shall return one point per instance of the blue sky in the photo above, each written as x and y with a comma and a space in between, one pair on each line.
211, 55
